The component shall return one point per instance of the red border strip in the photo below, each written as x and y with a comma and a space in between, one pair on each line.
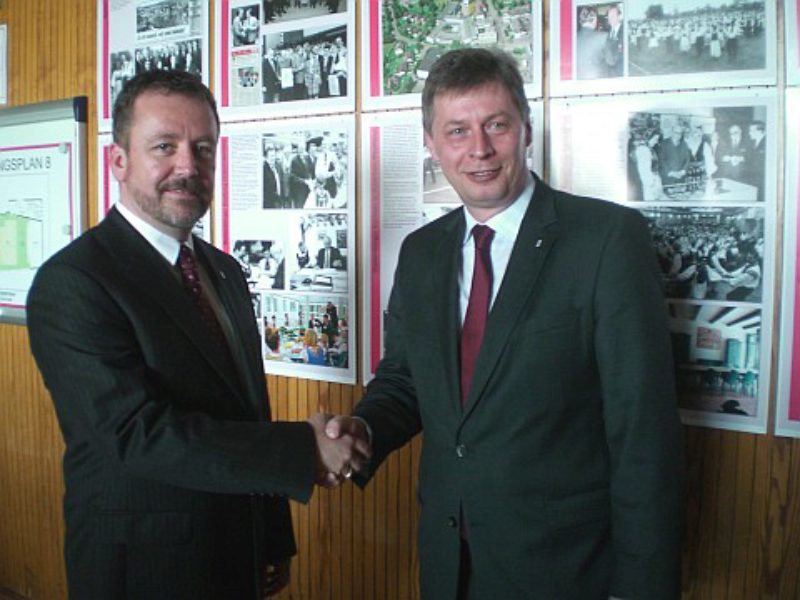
375, 86
565, 44
375, 312
794, 387
106, 82
226, 230
223, 52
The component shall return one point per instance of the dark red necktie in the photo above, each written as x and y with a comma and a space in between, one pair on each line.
480, 295
191, 283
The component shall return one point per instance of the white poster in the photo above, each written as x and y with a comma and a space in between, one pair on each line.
285, 209
284, 58
702, 169
143, 35
402, 188
402, 40
787, 412
790, 17
637, 45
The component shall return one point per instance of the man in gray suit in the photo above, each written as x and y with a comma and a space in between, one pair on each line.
526, 335
176, 480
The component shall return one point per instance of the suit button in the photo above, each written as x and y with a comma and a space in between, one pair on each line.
461, 451
452, 522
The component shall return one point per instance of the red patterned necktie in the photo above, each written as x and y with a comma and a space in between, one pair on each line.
191, 283
478, 308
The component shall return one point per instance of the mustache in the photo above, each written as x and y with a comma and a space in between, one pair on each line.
189, 184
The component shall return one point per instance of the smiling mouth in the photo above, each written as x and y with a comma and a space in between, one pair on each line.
483, 174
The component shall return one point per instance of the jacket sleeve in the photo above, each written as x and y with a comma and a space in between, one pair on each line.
643, 430
164, 426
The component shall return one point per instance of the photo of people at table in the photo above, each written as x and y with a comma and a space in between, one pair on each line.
711, 254
305, 329
713, 154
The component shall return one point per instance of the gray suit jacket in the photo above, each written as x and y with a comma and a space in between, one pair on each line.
175, 482
567, 461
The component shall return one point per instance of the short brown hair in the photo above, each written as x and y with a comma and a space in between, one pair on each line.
163, 82
468, 68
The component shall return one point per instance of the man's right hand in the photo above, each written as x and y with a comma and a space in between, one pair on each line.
342, 447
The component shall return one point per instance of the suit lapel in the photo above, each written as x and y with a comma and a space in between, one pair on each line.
149, 273
447, 264
537, 234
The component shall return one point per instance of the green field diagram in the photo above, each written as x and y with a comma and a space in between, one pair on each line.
20, 242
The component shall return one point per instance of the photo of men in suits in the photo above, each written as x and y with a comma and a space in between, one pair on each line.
176, 479
526, 336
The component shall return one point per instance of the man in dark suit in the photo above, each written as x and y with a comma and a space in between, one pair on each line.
329, 257
301, 176
614, 46
526, 336
273, 189
176, 481
271, 75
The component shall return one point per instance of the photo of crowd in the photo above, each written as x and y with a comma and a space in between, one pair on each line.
162, 15
305, 65
305, 170
717, 355
183, 56
600, 41
695, 36
278, 11
709, 254
309, 330
717, 154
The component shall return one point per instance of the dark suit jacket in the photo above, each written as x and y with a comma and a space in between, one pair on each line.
567, 460
272, 199
174, 481
336, 255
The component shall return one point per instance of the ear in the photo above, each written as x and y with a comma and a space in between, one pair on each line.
528, 134
118, 158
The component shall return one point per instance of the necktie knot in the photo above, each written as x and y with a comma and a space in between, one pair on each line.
483, 236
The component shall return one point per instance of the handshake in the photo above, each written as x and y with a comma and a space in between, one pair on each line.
343, 447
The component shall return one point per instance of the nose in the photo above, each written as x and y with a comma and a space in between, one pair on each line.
185, 161
481, 144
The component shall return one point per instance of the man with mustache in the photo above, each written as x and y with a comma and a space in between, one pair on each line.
176, 481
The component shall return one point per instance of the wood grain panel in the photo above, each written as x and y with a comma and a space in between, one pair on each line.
742, 530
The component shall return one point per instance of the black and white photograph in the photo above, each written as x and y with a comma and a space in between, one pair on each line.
306, 330
717, 351
160, 16
700, 154
245, 25
605, 46
792, 44
318, 252
691, 36
305, 64
122, 69
262, 262
184, 56
280, 11
600, 40
305, 170
710, 253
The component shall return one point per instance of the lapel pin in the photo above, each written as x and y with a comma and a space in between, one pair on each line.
222, 274
539, 243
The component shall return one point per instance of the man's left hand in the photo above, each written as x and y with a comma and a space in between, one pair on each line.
276, 577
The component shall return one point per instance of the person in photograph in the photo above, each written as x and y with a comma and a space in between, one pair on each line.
646, 179
314, 354
278, 266
274, 194
298, 62
613, 50
757, 156
176, 479
673, 161
590, 45
731, 156
301, 176
527, 339
271, 77
329, 257
250, 26
302, 256
701, 159
237, 28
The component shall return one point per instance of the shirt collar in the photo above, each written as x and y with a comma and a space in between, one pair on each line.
165, 245
506, 222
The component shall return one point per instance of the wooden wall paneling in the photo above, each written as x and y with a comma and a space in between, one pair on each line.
741, 496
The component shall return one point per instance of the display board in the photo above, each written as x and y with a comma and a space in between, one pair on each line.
42, 187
